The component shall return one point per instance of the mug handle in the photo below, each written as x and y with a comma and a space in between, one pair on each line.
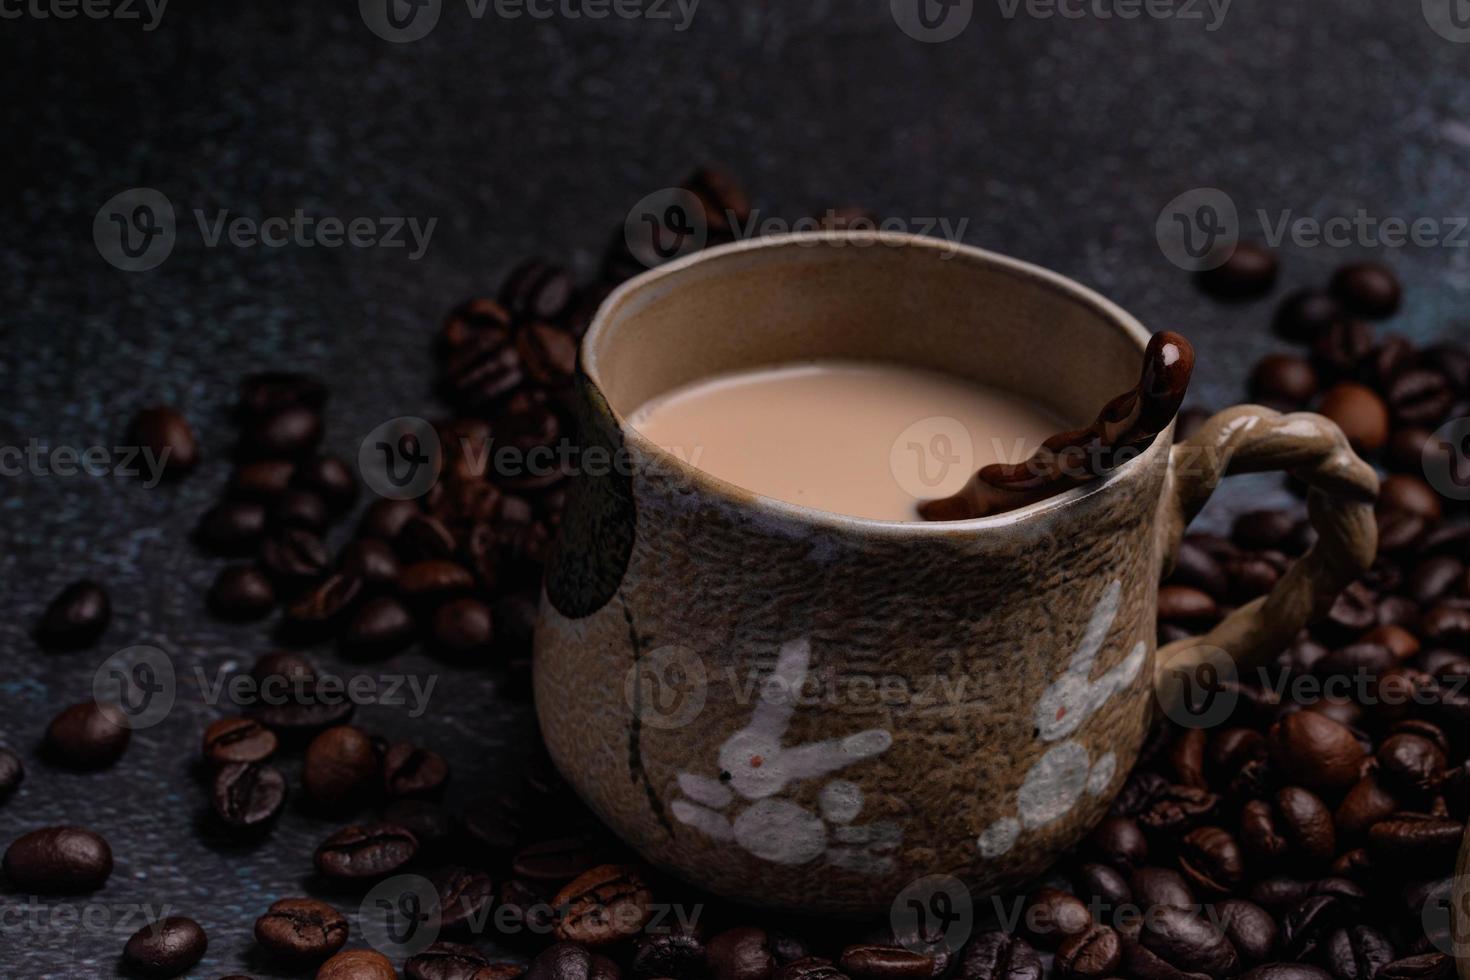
1255, 439
1460, 912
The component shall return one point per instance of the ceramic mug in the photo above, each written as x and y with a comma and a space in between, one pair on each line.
809, 711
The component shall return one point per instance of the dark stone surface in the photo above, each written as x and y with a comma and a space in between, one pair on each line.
1059, 139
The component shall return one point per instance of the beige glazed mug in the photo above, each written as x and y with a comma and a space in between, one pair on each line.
810, 711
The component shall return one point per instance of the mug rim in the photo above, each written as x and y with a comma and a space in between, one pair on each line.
731, 493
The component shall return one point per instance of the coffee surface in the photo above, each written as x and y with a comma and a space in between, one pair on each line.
852, 437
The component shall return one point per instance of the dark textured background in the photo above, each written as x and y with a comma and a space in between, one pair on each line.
1059, 139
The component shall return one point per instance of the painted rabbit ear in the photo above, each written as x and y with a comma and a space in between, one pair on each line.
779, 692
1097, 630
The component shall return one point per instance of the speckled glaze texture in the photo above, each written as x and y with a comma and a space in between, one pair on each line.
936, 666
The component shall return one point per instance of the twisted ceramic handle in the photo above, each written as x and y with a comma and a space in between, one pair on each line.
1253, 439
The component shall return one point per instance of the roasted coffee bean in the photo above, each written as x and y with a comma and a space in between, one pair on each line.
1195, 566
1435, 578
1401, 491
1405, 450
465, 897
1367, 289
372, 561
1359, 412
469, 318
463, 627
1420, 397
1415, 840
88, 736
369, 851
1386, 361
548, 353
1051, 915
429, 821
12, 774
340, 768
1357, 952
1399, 532
1411, 764
76, 617
58, 861
1314, 751
303, 708
1303, 315
301, 930
528, 422
1286, 971
1248, 272
1210, 858
296, 507
743, 953
1091, 955
290, 432
482, 366
676, 955
409, 770
232, 527
876, 961
1187, 757
1399, 641
323, 609
808, 968
521, 907
1308, 923
1184, 605
1307, 825
1155, 887
1230, 749
1254, 575
1341, 347
295, 559
1425, 966
434, 580
570, 961
241, 592
726, 204
423, 538
248, 796
1250, 929
281, 670
1174, 809
999, 956
1186, 942
602, 906
537, 289
1261, 530
1103, 888
357, 964
331, 479
446, 961
1355, 660
381, 626
238, 740
261, 480
166, 440
1447, 623
166, 948
385, 518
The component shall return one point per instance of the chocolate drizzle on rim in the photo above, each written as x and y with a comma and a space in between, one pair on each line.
1125, 427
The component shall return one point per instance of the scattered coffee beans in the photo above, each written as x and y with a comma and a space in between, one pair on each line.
167, 948
301, 930
58, 861
76, 617
88, 736
166, 439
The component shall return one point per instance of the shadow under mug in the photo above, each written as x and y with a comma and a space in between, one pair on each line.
809, 711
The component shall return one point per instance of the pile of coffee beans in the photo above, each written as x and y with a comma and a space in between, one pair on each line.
1306, 832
